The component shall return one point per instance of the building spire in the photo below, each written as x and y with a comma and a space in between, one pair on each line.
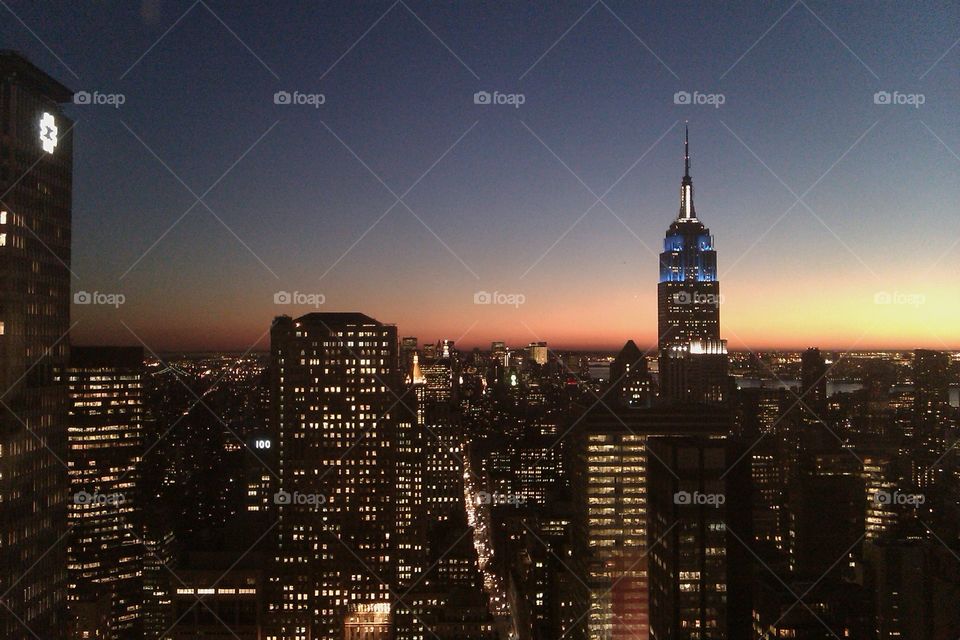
687, 211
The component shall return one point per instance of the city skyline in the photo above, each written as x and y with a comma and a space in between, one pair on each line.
504, 197
368, 480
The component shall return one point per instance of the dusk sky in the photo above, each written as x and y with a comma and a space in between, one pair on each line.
822, 202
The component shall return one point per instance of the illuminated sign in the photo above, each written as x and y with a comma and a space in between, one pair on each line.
48, 133
262, 443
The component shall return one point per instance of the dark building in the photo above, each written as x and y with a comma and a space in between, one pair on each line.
334, 407
630, 377
610, 463
813, 382
693, 358
933, 455
105, 432
699, 521
36, 167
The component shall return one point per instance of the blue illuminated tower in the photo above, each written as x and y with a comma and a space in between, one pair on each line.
693, 358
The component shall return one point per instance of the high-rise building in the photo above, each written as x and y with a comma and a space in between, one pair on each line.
334, 404
610, 462
537, 352
698, 516
933, 454
693, 358
105, 433
813, 382
36, 171
630, 377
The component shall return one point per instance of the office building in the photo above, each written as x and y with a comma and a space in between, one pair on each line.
36, 167
334, 402
105, 433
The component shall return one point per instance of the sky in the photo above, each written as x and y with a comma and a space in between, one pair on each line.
824, 149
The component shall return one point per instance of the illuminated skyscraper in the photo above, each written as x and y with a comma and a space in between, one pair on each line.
610, 467
36, 171
933, 454
693, 358
335, 377
105, 557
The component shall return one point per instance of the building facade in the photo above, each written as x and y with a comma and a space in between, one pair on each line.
334, 405
36, 166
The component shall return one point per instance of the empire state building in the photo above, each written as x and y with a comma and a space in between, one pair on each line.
693, 358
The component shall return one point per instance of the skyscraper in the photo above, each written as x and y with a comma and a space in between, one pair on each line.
610, 466
693, 358
334, 407
813, 382
698, 508
36, 167
105, 557
933, 455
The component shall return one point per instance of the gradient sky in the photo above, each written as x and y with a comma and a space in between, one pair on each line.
504, 186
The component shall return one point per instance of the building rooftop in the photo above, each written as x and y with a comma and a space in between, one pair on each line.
17, 68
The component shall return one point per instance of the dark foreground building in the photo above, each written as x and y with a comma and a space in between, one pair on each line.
36, 165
